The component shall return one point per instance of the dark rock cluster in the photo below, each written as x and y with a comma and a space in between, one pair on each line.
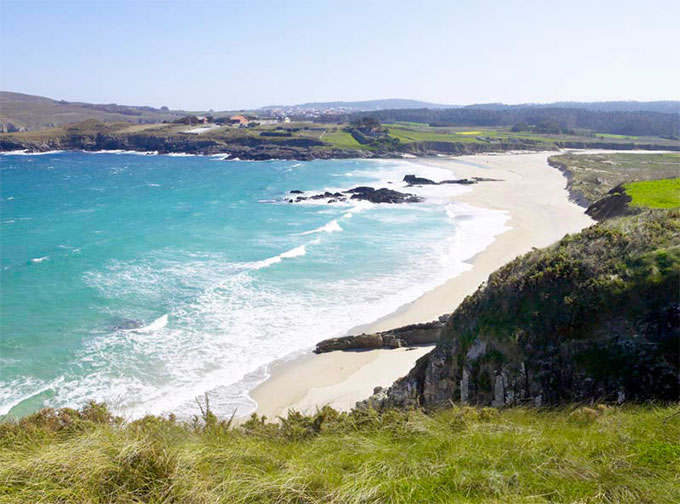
365, 193
413, 180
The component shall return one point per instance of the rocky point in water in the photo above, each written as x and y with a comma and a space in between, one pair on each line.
413, 180
414, 334
365, 193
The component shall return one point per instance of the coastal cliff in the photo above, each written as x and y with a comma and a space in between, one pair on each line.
299, 142
593, 317
256, 149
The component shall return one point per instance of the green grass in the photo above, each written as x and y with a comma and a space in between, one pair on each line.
426, 134
625, 454
663, 193
611, 135
337, 137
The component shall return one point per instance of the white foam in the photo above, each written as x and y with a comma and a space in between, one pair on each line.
40, 259
330, 227
296, 252
359, 206
25, 152
122, 151
289, 254
28, 388
156, 325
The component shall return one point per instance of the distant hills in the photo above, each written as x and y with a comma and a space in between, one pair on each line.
19, 111
366, 105
23, 111
668, 106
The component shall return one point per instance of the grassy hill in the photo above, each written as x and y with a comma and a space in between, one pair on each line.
36, 112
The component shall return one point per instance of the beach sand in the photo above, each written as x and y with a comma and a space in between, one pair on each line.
535, 197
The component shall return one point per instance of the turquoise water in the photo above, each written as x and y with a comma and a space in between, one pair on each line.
146, 281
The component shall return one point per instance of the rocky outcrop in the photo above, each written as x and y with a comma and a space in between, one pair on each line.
415, 334
382, 195
412, 180
361, 193
594, 317
574, 195
614, 204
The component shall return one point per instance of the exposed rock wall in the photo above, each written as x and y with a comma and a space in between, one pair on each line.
574, 195
614, 204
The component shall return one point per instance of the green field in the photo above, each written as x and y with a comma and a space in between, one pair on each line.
426, 134
663, 193
611, 135
337, 137
625, 454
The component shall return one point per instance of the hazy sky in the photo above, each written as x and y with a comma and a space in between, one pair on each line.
233, 54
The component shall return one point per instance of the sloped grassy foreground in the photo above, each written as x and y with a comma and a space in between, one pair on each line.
600, 454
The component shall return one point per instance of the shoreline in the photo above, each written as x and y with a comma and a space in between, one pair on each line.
540, 212
274, 152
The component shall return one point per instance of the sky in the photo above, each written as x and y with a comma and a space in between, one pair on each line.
230, 54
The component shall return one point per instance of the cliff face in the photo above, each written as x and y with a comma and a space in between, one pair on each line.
595, 316
243, 148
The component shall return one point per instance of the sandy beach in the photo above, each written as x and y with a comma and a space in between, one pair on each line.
536, 200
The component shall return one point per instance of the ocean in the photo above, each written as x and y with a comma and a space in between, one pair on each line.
146, 281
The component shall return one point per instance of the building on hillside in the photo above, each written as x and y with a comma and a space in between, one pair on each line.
240, 120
